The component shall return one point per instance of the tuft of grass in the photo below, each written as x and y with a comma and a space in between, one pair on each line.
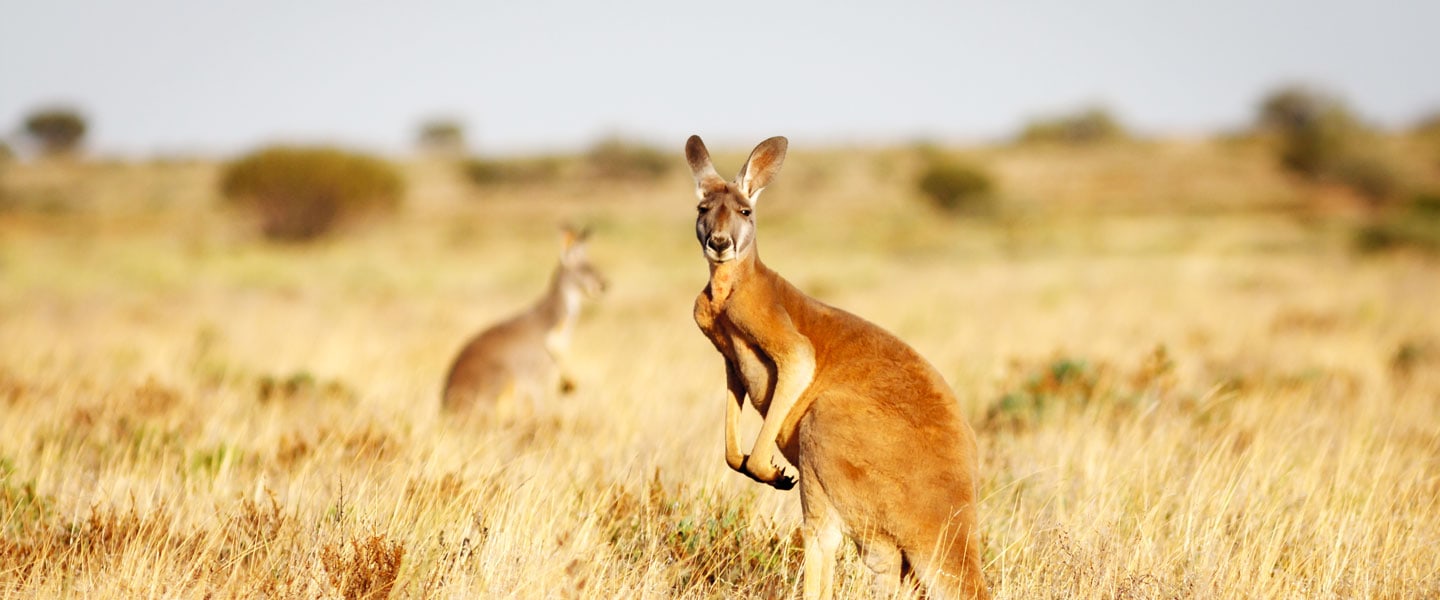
365, 569
301, 386
708, 542
23, 511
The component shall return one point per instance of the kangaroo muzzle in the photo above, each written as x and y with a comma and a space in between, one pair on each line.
719, 243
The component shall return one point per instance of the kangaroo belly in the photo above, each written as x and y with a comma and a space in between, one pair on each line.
758, 372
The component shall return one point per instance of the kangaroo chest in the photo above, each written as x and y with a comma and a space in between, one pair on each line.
757, 369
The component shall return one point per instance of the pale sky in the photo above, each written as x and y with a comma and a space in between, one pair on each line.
166, 76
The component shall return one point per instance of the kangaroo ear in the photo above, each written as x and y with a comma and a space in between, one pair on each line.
700, 165
569, 237
762, 167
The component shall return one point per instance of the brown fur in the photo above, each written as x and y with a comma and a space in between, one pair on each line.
873, 432
519, 359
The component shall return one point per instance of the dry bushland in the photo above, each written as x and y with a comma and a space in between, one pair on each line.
1185, 382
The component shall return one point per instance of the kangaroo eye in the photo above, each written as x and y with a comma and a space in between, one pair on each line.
703, 209
745, 211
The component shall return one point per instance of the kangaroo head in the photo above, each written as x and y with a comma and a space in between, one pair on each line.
725, 224
576, 271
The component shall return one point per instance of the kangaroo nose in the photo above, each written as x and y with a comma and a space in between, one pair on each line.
719, 243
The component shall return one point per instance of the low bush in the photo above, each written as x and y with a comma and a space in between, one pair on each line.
525, 171
616, 158
1372, 177
1414, 225
301, 193
1064, 384
957, 188
441, 136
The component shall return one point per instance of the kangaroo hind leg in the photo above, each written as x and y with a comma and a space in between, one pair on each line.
823, 532
886, 564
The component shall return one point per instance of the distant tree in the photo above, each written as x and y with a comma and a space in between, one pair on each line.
442, 136
1316, 128
1087, 126
1298, 106
1321, 139
56, 129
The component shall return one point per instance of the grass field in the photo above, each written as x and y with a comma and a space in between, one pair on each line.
1185, 384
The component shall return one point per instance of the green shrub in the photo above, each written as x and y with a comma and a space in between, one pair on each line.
487, 172
1414, 355
616, 158
1088, 126
1051, 387
56, 129
957, 188
301, 193
1066, 384
1426, 204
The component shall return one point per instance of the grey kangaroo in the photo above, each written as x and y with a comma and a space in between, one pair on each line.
517, 363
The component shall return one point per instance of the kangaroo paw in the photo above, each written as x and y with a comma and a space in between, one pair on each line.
779, 478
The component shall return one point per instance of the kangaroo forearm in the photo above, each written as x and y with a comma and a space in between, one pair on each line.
733, 457
794, 378
734, 402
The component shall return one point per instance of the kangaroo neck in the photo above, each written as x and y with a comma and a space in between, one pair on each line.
725, 277
560, 303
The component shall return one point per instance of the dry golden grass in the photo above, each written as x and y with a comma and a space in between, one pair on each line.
1183, 387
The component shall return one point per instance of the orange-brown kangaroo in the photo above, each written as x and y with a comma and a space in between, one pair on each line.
883, 454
